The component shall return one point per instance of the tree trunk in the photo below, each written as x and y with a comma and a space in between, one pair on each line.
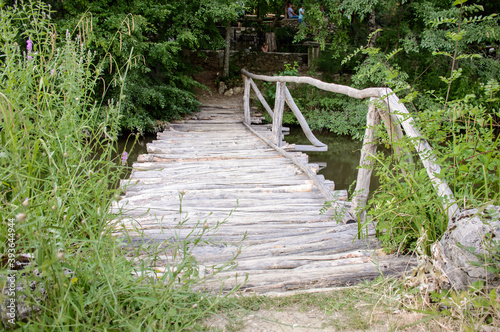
372, 27
271, 42
225, 71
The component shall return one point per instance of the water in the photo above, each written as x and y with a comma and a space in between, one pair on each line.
341, 159
126, 143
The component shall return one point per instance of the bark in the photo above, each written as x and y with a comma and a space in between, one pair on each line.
271, 41
225, 72
372, 26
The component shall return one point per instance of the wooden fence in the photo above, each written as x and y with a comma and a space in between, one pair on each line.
384, 106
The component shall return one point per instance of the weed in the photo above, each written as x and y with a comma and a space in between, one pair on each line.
61, 266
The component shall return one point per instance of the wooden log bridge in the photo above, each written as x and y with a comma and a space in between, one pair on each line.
215, 168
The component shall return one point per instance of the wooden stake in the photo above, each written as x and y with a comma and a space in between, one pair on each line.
246, 99
279, 105
302, 121
366, 163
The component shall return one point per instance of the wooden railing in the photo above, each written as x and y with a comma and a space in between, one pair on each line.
384, 105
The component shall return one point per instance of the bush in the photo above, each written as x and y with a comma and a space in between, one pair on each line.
57, 178
461, 126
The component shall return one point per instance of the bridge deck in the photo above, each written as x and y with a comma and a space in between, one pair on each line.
227, 173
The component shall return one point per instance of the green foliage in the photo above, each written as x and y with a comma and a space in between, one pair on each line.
475, 307
319, 24
56, 195
461, 126
323, 110
159, 37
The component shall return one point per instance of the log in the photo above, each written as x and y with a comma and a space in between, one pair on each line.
338, 88
310, 148
278, 114
246, 99
271, 42
303, 123
424, 150
365, 164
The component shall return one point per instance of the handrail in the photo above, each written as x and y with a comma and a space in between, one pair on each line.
303, 123
332, 87
383, 104
282, 95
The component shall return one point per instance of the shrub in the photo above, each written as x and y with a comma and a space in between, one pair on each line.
56, 192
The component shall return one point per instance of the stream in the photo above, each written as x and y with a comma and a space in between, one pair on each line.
341, 160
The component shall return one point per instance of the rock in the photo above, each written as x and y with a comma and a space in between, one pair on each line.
469, 229
238, 90
14, 303
16, 308
222, 88
229, 92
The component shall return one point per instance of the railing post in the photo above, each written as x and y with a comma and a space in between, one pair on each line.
246, 99
395, 133
425, 152
279, 104
365, 162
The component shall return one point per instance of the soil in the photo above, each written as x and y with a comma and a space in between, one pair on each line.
210, 95
296, 319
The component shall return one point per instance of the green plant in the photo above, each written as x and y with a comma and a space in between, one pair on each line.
59, 255
160, 86
474, 308
463, 130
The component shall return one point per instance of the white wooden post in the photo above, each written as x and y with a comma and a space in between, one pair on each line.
365, 162
279, 105
261, 98
246, 99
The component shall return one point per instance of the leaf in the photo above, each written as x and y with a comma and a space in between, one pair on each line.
492, 269
493, 295
172, 312
456, 36
477, 286
463, 168
149, 299
459, 2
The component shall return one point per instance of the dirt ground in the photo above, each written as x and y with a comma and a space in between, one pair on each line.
297, 318
211, 96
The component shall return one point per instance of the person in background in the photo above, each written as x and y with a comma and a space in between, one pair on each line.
291, 13
301, 14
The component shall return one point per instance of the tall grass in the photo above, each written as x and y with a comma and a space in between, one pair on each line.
56, 195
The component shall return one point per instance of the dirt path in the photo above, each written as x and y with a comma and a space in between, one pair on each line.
342, 309
211, 96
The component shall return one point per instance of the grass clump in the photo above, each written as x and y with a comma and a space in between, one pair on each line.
61, 266
385, 304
